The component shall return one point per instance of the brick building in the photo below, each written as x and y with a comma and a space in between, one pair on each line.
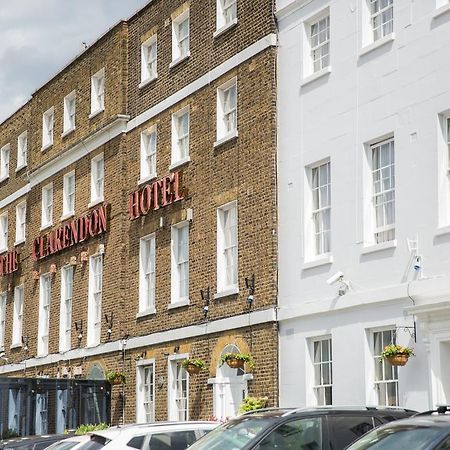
138, 213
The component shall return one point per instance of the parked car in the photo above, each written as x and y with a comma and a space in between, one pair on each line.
30, 442
74, 443
425, 431
154, 436
323, 428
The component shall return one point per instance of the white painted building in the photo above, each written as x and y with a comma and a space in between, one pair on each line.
364, 101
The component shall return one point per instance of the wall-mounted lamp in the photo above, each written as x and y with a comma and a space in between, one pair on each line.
176, 349
53, 269
109, 325
25, 343
250, 285
79, 328
206, 297
73, 261
84, 257
36, 275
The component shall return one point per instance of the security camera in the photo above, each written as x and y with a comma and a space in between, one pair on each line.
335, 278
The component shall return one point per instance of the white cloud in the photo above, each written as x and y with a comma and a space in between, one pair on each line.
39, 37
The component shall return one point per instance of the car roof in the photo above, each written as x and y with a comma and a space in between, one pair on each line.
133, 429
440, 420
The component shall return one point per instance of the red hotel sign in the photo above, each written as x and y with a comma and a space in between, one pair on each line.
9, 263
159, 193
71, 233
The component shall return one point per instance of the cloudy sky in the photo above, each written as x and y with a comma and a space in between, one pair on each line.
39, 37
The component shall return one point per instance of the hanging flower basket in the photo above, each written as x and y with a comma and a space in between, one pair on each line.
237, 360
116, 378
396, 355
193, 366
397, 360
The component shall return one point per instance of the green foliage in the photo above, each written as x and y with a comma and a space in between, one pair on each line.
252, 403
114, 377
194, 362
393, 349
9, 433
83, 429
239, 356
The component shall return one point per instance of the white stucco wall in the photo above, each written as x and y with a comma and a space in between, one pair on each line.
398, 89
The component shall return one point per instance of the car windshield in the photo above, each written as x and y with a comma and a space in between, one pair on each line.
233, 435
63, 445
394, 438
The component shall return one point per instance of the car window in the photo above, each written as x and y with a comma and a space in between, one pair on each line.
444, 445
400, 437
174, 440
92, 445
136, 441
63, 445
346, 429
42, 445
303, 434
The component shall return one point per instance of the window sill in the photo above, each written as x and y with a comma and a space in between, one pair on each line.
179, 163
19, 168
319, 261
226, 27
178, 304
442, 10
67, 132
315, 76
16, 345
95, 202
96, 113
230, 136
67, 216
177, 61
21, 241
147, 81
145, 313
371, 47
46, 146
379, 247
147, 178
45, 226
226, 293
441, 231
3, 179
3, 250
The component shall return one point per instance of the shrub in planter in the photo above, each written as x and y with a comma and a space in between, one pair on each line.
252, 403
396, 354
86, 428
237, 360
193, 366
116, 377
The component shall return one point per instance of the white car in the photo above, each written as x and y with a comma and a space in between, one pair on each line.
154, 436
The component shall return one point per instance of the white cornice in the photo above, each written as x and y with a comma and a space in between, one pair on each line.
217, 326
291, 8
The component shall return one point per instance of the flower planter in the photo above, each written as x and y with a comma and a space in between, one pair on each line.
192, 369
236, 363
398, 360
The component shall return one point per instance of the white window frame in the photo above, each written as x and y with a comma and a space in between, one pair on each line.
179, 53
21, 218
3, 232
149, 60
69, 195
95, 301
3, 301
180, 138
18, 316
5, 156
177, 265
98, 92
22, 150
386, 232
65, 315
97, 179
145, 392
369, 37
176, 374
226, 15
148, 148
47, 206
226, 125
48, 123
319, 364
147, 274
70, 101
45, 297
385, 368
227, 282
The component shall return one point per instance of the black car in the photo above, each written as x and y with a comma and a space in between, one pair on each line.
325, 428
425, 431
31, 442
